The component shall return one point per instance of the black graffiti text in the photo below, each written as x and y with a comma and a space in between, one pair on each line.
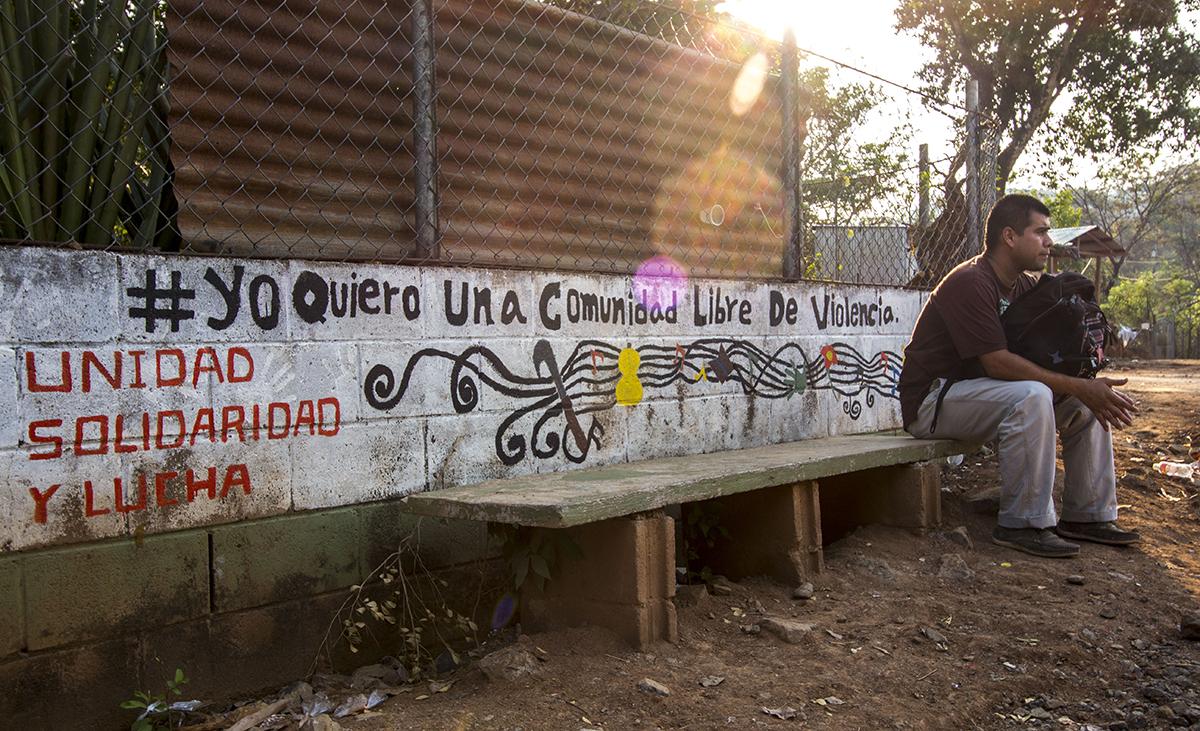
315, 298
844, 313
581, 306
481, 299
263, 296
161, 303
714, 308
782, 309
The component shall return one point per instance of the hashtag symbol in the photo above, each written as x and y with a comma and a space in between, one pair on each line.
172, 297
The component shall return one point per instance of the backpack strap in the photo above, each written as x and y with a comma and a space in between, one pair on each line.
938, 406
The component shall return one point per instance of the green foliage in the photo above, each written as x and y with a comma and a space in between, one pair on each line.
1130, 68
849, 178
533, 554
811, 265
1144, 204
1132, 301
1153, 296
156, 711
1063, 211
83, 134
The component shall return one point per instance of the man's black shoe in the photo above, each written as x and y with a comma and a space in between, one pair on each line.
1036, 541
1103, 532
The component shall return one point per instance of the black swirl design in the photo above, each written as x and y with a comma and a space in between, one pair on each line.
558, 396
852, 408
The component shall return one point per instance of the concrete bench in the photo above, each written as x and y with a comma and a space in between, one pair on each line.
769, 502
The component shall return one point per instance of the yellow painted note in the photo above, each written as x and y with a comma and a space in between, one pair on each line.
629, 388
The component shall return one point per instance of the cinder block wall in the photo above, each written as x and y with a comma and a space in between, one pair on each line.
238, 607
199, 455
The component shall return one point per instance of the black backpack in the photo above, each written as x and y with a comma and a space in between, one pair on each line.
1059, 326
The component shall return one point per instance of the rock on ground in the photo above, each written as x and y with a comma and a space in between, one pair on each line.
960, 536
952, 566
804, 592
1189, 626
788, 630
687, 595
874, 566
509, 664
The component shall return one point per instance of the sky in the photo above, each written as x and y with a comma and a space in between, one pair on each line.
861, 33
853, 31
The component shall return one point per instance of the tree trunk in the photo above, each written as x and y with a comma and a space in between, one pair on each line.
941, 246
1113, 278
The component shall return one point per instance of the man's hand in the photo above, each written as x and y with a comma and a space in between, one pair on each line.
1111, 407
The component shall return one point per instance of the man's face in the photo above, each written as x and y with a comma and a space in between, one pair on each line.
1031, 248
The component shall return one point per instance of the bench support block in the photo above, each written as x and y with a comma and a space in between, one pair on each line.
625, 581
904, 496
916, 496
774, 532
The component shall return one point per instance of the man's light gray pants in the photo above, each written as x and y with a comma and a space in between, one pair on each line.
1023, 417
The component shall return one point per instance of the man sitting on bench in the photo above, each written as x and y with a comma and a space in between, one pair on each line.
959, 334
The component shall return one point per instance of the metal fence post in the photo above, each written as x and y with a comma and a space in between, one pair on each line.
974, 239
425, 179
790, 90
987, 168
923, 187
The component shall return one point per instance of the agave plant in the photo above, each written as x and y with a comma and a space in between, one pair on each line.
83, 122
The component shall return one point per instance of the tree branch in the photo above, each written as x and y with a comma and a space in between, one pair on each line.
1043, 96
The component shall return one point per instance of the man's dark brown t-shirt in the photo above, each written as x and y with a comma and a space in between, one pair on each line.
959, 323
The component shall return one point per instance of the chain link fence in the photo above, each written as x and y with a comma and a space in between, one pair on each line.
83, 123
489, 133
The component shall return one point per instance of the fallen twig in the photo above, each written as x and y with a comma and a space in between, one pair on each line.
249, 722
576, 706
1163, 492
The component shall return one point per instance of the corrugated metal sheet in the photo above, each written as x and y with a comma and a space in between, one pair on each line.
290, 126
566, 142
563, 141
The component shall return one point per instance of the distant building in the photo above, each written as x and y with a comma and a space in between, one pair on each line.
864, 254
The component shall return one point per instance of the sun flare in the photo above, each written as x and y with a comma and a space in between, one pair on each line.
831, 28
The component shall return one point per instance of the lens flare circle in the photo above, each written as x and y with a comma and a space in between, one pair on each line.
504, 611
659, 282
748, 85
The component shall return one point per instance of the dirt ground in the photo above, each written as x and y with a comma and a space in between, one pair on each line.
904, 635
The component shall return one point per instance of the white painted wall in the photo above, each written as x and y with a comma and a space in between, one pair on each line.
74, 457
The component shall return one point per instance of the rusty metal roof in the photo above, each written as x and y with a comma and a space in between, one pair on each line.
1084, 241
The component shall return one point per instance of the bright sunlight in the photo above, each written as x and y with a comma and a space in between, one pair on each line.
854, 31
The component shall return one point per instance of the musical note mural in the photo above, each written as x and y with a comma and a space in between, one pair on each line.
598, 376
155, 393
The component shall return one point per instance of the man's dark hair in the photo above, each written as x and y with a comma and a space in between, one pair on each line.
1011, 211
